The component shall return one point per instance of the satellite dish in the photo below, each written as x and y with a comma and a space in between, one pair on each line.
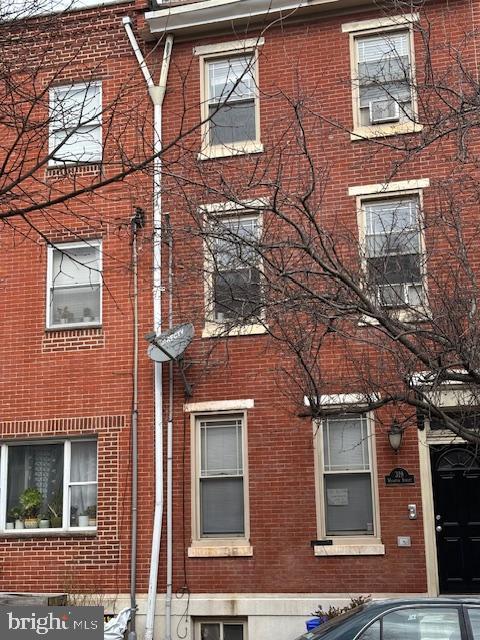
171, 344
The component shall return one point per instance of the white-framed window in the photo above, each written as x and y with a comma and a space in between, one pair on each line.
220, 495
48, 485
393, 251
76, 124
230, 98
347, 490
221, 629
234, 292
74, 284
384, 78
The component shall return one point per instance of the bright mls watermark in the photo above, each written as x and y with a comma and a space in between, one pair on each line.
52, 623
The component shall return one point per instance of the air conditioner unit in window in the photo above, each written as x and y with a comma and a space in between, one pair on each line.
384, 111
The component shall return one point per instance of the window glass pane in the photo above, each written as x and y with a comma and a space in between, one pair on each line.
75, 292
77, 266
391, 216
348, 504
232, 123
76, 105
221, 506
232, 631
422, 623
384, 78
395, 269
83, 466
234, 243
236, 281
76, 122
372, 633
231, 79
345, 442
83, 145
40, 467
474, 617
80, 305
83, 503
210, 631
221, 448
386, 45
237, 294
393, 251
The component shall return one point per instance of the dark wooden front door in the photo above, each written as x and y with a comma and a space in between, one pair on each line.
456, 494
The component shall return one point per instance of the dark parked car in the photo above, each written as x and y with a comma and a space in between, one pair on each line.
420, 619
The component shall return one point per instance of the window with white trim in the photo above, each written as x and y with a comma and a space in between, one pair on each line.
234, 283
49, 485
229, 629
74, 285
231, 103
220, 476
346, 478
76, 124
393, 251
384, 98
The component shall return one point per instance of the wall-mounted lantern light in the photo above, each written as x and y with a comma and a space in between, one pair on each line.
395, 435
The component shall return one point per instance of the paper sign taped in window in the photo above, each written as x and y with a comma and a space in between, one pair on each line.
337, 497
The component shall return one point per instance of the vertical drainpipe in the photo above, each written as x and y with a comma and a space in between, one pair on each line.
157, 93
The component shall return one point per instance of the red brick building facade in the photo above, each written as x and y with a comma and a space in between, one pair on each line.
275, 510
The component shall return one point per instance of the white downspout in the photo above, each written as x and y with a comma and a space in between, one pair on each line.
157, 93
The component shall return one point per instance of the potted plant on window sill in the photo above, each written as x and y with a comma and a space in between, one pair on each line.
55, 509
14, 516
44, 520
31, 501
66, 316
83, 519
91, 512
88, 315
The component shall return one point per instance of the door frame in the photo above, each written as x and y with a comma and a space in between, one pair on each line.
427, 438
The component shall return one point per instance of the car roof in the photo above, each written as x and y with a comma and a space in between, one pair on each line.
367, 612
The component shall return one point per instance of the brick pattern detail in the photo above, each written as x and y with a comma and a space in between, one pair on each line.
77, 170
63, 426
73, 340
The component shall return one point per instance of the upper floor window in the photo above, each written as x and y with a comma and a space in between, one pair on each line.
49, 485
74, 285
346, 479
384, 78
220, 469
230, 105
235, 287
393, 251
75, 123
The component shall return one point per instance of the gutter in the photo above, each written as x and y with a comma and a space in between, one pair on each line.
208, 15
157, 94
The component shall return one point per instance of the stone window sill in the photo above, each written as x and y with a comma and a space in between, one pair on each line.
363, 549
223, 550
47, 533
219, 330
234, 150
383, 131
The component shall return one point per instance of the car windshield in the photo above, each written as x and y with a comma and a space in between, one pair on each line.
326, 627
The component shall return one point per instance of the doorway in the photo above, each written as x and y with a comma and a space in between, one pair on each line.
456, 492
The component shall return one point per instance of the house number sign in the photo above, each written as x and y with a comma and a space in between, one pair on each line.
399, 476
